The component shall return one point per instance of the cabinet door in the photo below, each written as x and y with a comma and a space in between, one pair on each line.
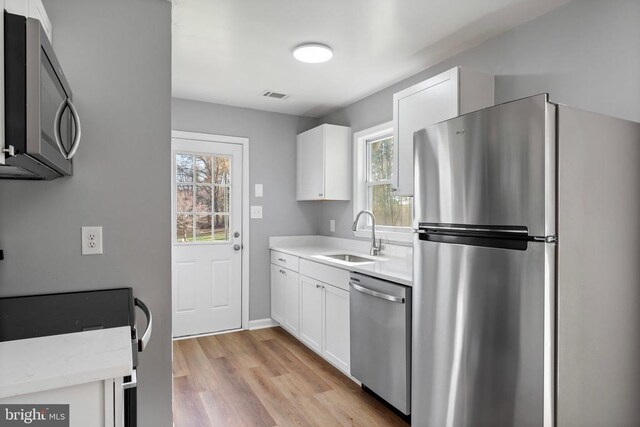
311, 313
337, 347
277, 294
291, 304
415, 108
311, 164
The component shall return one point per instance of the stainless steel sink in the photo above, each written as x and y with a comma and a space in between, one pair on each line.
350, 258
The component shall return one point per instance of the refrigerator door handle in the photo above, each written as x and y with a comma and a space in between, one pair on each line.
376, 294
144, 341
425, 228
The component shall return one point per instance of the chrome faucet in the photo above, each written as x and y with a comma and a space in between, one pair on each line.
375, 245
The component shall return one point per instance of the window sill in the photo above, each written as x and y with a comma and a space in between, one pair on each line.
390, 236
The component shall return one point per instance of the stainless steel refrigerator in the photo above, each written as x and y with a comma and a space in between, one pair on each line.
526, 295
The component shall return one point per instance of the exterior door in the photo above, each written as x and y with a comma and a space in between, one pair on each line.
206, 236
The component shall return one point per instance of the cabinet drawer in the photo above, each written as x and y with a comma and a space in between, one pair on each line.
326, 274
284, 260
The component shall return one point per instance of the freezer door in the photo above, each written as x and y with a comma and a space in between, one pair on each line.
482, 335
492, 167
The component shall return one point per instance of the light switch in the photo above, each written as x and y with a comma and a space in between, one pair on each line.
256, 212
258, 190
332, 225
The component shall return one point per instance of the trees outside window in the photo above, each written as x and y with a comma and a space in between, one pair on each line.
202, 198
390, 210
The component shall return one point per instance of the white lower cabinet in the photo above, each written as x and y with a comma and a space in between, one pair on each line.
311, 313
335, 324
291, 291
285, 298
310, 308
277, 294
96, 404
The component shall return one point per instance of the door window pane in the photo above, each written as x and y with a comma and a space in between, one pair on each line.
184, 168
221, 171
184, 228
184, 198
221, 227
203, 228
221, 199
203, 198
204, 168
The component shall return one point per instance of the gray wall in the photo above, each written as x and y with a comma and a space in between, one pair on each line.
117, 57
585, 54
272, 162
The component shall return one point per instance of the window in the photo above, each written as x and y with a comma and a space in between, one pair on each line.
373, 189
202, 198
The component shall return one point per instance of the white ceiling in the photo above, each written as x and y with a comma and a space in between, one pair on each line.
230, 51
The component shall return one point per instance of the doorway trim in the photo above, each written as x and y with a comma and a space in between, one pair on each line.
244, 142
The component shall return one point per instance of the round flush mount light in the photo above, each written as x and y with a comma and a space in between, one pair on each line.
313, 53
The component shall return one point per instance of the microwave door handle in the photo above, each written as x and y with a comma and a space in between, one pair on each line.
56, 128
76, 138
56, 131
144, 341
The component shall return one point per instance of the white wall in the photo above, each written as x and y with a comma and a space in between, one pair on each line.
272, 156
116, 55
585, 54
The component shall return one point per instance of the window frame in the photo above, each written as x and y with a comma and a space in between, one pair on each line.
361, 185
194, 183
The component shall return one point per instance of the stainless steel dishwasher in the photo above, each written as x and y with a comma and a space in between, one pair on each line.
380, 316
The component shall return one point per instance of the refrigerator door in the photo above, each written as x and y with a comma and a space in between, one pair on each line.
482, 335
491, 167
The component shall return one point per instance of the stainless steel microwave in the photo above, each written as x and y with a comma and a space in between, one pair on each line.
41, 127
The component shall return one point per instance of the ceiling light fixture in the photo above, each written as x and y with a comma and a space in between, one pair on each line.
313, 53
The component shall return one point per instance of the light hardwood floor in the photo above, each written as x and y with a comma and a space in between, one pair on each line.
265, 378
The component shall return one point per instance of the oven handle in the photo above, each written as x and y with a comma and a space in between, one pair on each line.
56, 132
133, 383
144, 341
376, 294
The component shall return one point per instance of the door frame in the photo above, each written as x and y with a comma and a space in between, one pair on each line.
244, 142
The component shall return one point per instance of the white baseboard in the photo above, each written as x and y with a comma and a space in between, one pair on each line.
261, 323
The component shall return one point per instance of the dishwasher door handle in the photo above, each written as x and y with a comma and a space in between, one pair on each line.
376, 294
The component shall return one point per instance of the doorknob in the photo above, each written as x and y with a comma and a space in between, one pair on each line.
237, 247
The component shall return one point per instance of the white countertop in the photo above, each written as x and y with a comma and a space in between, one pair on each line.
46, 363
389, 266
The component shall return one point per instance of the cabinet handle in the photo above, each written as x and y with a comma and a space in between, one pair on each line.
282, 260
317, 286
320, 194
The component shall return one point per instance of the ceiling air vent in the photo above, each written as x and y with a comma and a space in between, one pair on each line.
271, 94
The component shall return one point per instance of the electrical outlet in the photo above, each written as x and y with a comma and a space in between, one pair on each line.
91, 240
256, 212
332, 225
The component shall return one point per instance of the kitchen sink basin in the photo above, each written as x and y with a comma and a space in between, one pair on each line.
350, 258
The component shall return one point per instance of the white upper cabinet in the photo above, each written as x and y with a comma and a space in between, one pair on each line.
324, 160
442, 97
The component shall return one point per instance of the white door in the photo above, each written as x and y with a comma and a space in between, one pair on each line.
310, 146
291, 301
207, 236
336, 327
311, 313
277, 293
